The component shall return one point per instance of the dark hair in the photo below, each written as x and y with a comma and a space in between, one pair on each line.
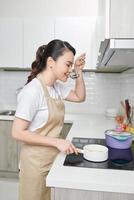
53, 49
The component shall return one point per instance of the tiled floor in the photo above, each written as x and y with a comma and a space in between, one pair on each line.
8, 189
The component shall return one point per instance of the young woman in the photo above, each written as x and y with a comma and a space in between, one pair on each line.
39, 116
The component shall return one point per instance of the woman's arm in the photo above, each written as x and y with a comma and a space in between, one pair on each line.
79, 93
20, 132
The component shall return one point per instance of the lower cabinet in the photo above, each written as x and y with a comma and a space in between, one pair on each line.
72, 194
10, 149
65, 130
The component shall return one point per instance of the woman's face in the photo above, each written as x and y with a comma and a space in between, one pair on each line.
63, 66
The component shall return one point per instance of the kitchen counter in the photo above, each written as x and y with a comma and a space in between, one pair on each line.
92, 179
107, 180
6, 117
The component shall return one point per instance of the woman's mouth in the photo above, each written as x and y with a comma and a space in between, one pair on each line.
66, 75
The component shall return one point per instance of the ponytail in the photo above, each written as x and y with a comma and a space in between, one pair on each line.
36, 65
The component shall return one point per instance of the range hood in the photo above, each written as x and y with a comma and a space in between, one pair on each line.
116, 55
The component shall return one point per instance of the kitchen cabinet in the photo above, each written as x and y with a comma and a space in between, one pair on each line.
20, 39
117, 18
8, 151
71, 194
37, 31
11, 43
65, 130
80, 32
24, 36
121, 19
115, 35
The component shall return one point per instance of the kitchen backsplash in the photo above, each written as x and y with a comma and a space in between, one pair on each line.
103, 90
127, 85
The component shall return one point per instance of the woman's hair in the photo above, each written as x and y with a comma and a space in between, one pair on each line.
53, 49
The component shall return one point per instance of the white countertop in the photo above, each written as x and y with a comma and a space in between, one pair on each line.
6, 117
89, 178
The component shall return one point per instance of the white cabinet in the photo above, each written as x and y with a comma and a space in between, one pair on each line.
37, 31
118, 18
115, 29
11, 43
73, 194
122, 19
80, 32
20, 39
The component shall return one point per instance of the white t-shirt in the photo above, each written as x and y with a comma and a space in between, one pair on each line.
32, 105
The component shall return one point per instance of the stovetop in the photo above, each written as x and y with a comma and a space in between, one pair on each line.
119, 159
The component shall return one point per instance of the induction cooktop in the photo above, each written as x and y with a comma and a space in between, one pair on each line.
118, 159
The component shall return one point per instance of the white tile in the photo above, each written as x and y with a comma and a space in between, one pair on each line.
103, 90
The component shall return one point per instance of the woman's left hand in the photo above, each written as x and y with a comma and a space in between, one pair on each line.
79, 62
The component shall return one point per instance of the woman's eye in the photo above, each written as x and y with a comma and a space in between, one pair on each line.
68, 65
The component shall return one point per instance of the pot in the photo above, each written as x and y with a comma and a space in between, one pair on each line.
118, 140
120, 155
95, 152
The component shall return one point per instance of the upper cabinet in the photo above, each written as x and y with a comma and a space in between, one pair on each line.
80, 32
122, 19
37, 31
118, 18
116, 35
23, 37
20, 38
11, 43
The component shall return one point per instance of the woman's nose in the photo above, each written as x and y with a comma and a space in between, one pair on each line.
70, 69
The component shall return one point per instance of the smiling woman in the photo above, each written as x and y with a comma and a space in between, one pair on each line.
39, 117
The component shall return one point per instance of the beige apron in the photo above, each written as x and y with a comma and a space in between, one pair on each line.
36, 161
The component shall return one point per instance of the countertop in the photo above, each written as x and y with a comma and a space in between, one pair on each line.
7, 118
107, 180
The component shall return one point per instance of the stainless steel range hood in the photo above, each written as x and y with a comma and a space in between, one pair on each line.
116, 55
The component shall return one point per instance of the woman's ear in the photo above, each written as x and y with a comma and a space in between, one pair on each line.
50, 62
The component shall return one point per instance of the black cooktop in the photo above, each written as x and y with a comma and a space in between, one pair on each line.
120, 159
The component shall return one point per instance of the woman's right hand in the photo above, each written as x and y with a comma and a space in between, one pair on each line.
65, 146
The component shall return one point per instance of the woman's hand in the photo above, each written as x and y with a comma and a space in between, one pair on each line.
79, 63
65, 146
79, 93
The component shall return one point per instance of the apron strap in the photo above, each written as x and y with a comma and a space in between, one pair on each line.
47, 95
44, 86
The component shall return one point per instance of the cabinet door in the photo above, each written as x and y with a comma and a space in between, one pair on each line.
8, 148
37, 31
11, 43
80, 32
121, 19
65, 130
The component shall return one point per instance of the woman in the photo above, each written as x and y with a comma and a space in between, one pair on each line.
39, 116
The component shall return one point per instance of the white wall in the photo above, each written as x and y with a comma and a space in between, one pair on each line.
23, 8
102, 91
127, 85
9, 82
